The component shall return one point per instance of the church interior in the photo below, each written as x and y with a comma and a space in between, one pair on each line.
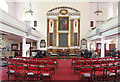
67, 40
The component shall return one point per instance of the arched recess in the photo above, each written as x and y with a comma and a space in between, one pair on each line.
26, 17
101, 18
65, 31
4, 5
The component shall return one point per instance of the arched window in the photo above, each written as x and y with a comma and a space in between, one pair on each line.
4, 5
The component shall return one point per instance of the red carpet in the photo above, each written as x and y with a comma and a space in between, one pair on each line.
63, 72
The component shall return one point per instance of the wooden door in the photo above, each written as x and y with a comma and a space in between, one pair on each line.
111, 46
98, 48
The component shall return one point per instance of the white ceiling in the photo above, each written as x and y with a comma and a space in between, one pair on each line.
63, 0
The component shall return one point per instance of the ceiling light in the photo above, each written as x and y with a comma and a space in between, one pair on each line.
30, 11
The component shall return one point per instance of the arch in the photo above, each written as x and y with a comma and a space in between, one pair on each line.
91, 46
4, 5
64, 7
63, 10
102, 16
65, 24
75, 26
26, 16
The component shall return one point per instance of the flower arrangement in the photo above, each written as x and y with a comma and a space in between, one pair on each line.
6, 48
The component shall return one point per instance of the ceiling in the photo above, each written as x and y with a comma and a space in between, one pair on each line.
13, 37
63, 0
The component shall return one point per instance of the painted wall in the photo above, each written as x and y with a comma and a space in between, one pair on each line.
41, 8
111, 9
7, 42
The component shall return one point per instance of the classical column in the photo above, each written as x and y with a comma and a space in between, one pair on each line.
48, 32
88, 44
119, 40
23, 47
71, 33
54, 33
38, 44
102, 47
78, 42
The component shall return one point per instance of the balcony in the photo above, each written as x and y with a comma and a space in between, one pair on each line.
10, 24
108, 28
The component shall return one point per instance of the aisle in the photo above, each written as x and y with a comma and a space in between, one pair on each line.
65, 72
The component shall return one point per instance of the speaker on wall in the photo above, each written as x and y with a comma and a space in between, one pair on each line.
29, 31
97, 31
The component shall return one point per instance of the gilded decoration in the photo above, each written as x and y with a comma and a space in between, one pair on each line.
63, 11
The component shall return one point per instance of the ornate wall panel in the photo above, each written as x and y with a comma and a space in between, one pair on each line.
48, 32
78, 32
75, 39
71, 33
51, 39
65, 28
63, 39
54, 33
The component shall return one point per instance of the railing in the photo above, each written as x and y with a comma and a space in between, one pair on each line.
12, 21
36, 33
104, 27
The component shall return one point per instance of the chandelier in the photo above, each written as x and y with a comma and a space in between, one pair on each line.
30, 11
97, 12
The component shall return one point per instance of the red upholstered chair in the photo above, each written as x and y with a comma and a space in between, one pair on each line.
19, 62
111, 73
51, 64
99, 73
88, 59
73, 61
94, 59
53, 59
32, 73
77, 66
55, 62
87, 64
25, 63
105, 58
32, 63
46, 59
116, 62
110, 62
33, 58
38, 59
104, 63
82, 59
41, 63
86, 74
9, 62
97, 63
46, 73
118, 72
99, 58
11, 71
21, 72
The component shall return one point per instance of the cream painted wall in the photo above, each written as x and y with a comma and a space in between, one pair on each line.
7, 42
111, 9
40, 14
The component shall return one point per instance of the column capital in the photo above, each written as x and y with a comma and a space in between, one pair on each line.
48, 18
55, 19
72, 19
78, 20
